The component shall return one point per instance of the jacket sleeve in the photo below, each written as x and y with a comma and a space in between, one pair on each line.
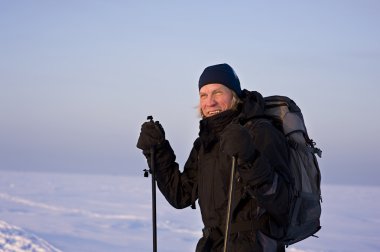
271, 158
177, 187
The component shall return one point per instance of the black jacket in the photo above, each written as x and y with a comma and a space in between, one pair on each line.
260, 202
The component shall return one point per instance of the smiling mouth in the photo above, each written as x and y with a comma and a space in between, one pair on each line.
211, 113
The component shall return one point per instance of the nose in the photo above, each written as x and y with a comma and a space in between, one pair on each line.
210, 101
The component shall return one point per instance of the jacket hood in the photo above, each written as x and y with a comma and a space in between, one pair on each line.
253, 105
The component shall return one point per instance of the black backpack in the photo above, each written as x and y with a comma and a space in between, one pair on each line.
304, 217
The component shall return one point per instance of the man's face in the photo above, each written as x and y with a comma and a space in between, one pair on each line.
214, 98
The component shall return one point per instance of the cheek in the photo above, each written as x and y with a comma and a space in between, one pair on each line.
201, 107
225, 104
201, 104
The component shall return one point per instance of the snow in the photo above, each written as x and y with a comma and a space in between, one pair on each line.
72, 212
15, 239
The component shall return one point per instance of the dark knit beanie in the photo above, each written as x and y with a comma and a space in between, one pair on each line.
222, 74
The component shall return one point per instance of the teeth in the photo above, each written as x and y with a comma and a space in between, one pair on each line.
214, 112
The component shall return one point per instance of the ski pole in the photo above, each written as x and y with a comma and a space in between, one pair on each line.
230, 199
152, 170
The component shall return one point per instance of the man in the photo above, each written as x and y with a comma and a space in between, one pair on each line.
233, 124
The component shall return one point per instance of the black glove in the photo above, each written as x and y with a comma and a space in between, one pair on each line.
235, 140
151, 134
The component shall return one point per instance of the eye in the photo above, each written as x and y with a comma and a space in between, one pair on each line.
218, 92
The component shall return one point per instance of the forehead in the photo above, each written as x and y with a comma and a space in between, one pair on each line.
212, 87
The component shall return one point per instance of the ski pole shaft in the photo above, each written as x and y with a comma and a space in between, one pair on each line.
230, 200
152, 170
154, 214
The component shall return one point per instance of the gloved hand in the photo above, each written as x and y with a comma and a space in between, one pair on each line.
151, 134
236, 141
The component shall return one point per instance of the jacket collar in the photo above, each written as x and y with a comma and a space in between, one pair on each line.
252, 107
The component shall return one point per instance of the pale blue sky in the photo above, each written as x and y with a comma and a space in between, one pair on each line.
77, 78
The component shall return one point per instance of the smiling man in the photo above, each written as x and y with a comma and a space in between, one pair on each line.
219, 88
232, 124
215, 98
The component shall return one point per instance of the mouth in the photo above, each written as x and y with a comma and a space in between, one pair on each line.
211, 113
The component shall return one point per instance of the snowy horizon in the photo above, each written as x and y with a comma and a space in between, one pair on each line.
113, 213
